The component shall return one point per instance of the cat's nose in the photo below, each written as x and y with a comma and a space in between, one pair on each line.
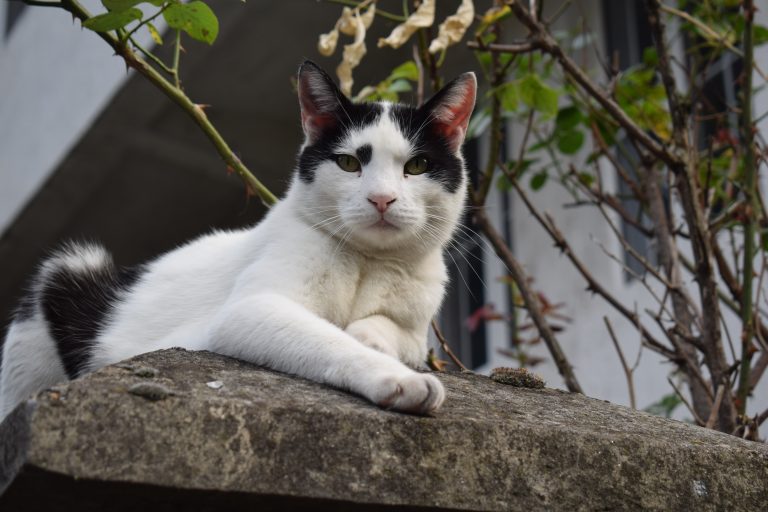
381, 201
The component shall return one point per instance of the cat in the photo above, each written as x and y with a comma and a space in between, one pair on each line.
337, 284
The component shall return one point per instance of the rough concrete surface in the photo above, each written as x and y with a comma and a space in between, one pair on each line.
182, 430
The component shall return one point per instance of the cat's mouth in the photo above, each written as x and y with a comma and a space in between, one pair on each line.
383, 223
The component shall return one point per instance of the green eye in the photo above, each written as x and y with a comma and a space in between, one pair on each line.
348, 163
416, 165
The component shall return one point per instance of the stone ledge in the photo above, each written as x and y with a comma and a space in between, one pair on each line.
269, 440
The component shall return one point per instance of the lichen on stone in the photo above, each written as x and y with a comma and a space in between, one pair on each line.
150, 390
519, 377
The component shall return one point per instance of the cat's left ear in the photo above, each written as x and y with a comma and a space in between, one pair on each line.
451, 107
320, 100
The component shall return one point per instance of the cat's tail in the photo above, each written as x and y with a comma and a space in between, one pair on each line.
54, 329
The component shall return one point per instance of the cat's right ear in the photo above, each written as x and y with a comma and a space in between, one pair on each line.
320, 100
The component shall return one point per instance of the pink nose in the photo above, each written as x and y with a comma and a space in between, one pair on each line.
381, 201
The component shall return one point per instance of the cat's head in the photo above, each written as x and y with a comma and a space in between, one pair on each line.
382, 176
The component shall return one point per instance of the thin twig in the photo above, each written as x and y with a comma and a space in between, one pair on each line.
682, 398
446, 348
176, 52
151, 56
627, 370
715, 407
526, 47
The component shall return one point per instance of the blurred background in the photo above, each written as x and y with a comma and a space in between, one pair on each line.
89, 151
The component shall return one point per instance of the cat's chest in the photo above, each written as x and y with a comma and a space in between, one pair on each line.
355, 287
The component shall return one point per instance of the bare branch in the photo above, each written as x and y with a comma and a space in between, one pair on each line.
627, 370
750, 177
680, 395
592, 283
530, 299
446, 348
715, 408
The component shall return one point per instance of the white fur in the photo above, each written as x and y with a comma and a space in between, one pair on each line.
316, 289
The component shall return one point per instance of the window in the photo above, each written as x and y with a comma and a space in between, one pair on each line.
627, 34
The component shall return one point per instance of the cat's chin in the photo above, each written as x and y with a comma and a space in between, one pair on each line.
381, 236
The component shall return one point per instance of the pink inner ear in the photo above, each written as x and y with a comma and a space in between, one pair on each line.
314, 123
456, 119
459, 118
453, 115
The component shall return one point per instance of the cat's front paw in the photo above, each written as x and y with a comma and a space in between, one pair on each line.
417, 393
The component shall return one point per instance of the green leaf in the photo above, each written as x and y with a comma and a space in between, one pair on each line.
503, 184
493, 15
666, 406
586, 178
542, 144
484, 58
650, 57
407, 70
759, 35
764, 241
488, 38
509, 96
538, 95
568, 118
194, 18
539, 179
112, 20
154, 33
569, 142
399, 85
122, 5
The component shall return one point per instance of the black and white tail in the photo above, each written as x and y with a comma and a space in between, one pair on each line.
54, 330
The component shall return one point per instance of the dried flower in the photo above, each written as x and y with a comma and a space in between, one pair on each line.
454, 27
424, 16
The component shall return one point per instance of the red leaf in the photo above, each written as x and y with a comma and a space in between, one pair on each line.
482, 314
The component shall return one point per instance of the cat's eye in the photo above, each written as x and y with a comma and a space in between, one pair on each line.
416, 165
348, 163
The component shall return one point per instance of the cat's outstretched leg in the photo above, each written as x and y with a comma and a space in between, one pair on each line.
384, 335
274, 331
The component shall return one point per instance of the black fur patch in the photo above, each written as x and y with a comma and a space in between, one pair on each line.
364, 154
76, 305
353, 116
444, 166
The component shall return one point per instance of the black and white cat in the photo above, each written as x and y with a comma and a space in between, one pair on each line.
337, 284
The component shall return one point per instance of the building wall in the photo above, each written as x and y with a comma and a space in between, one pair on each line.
585, 339
54, 80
